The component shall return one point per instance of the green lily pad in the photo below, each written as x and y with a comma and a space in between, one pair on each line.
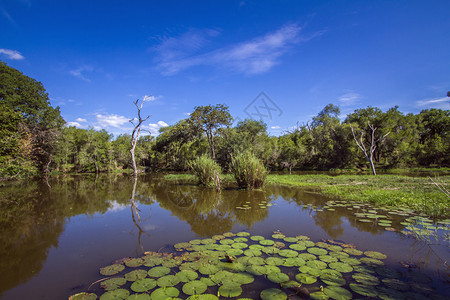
134, 262
256, 270
168, 280
316, 264
229, 234
136, 275
257, 238
151, 261
271, 269
278, 236
273, 294
139, 297
230, 290
305, 278
239, 245
112, 269
207, 281
290, 239
372, 261
396, 284
288, 253
194, 287
279, 245
195, 242
310, 271
317, 251
328, 258
171, 263
203, 297
115, 295
256, 261
353, 251
365, 290
165, 293
387, 272
158, 271
143, 285
252, 252
266, 242
277, 277
364, 269
241, 240
307, 256
182, 245
293, 262
297, 247
242, 233
270, 250
291, 284
226, 242
208, 241
274, 261
83, 296
341, 267
337, 292
234, 252
366, 279
187, 275
375, 254
256, 247
339, 255
351, 261
333, 279
208, 269
113, 283
319, 295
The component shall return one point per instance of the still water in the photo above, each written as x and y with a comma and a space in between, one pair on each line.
55, 234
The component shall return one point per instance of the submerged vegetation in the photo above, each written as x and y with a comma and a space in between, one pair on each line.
245, 266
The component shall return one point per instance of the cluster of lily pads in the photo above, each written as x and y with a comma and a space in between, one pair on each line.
263, 204
242, 266
412, 225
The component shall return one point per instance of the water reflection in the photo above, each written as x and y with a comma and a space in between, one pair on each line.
34, 214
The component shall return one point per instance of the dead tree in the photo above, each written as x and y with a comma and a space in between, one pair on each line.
137, 123
368, 153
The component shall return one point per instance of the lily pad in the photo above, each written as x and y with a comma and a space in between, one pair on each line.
112, 269
134, 262
306, 278
239, 245
319, 295
194, 287
365, 290
143, 285
375, 254
341, 267
151, 261
366, 279
337, 292
158, 271
230, 290
288, 253
372, 261
208, 269
333, 279
278, 236
187, 275
310, 271
273, 294
290, 239
270, 250
242, 233
328, 258
266, 242
256, 270
275, 261
115, 295
316, 264
136, 275
317, 251
235, 252
277, 277
257, 238
139, 297
113, 283
203, 297
83, 296
351, 261
165, 293
168, 280
241, 240
293, 262
297, 247
252, 252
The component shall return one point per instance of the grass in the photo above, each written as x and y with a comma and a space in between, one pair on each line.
417, 193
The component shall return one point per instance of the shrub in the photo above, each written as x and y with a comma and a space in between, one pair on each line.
248, 171
206, 170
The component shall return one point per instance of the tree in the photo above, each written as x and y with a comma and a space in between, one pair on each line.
137, 123
209, 119
39, 120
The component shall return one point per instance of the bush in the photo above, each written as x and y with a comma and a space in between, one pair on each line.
248, 171
206, 170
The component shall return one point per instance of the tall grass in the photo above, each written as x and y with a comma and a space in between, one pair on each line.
248, 171
206, 170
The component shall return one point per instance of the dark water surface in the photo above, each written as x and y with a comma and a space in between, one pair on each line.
56, 234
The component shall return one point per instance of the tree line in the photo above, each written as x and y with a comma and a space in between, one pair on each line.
35, 140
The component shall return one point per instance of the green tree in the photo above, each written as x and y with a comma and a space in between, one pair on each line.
209, 119
40, 120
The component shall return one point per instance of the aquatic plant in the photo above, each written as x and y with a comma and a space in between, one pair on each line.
252, 267
206, 170
248, 171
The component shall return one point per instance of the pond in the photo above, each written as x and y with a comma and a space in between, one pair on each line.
56, 234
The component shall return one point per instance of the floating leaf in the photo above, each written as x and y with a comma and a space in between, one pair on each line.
241, 240
252, 252
318, 296
83, 296
256, 247
333, 279
278, 236
372, 261
307, 256
208, 269
337, 292
273, 294
194, 287
168, 280
187, 275
288, 253
234, 252
151, 261
305, 278
275, 261
136, 275
182, 245
365, 290
115, 295
351, 261
277, 277
270, 250
375, 254
139, 297
143, 285
316, 264
266, 242
164, 293
203, 297
290, 239
293, 262
310, 271
328, 258
226, 242
134, 262
158, 271
112, 269
366, 279
396, 284
257, 238
256, 270
256, 261
341, 267
230, 290
297, 247
113, 283
239, 245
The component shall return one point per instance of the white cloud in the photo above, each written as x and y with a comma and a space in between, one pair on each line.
275, 127
76, 124
255, 56
154, 128
12, 54
149, 98
81, 120
442, 103
349, 98
111, 120
79, 72
115, 206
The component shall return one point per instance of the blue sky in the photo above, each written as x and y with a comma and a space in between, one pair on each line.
281, 61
